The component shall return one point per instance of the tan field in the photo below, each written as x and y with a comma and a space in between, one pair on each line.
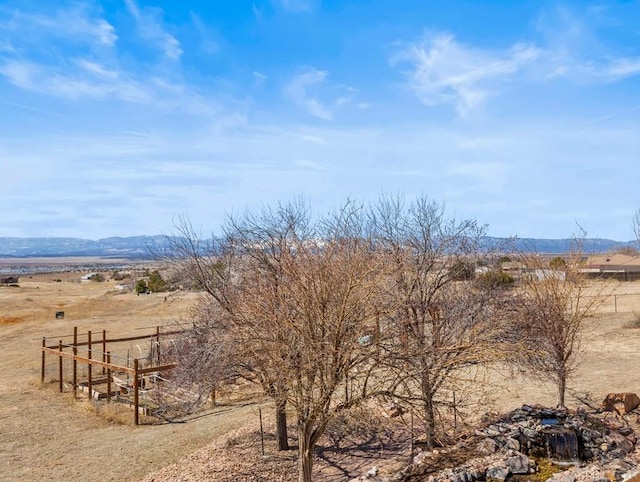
45, 435
49, 436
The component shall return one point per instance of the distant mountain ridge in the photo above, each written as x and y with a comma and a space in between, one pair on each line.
133, 247
561, 246
141, 247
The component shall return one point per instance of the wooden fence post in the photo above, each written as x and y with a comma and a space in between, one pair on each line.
136, 405
60, 366
104, 348
158, 343
42, 364
89, 378
109, 377
75, 362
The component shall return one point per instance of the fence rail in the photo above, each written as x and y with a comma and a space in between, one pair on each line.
94, 353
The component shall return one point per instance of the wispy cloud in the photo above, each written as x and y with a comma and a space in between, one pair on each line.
443, 71
94, 66
208, 37
573, 48
299, 88
151, 28
78, 22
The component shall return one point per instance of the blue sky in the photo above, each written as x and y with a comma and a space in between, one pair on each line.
117, 116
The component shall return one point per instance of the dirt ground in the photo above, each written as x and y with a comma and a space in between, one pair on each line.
49, 436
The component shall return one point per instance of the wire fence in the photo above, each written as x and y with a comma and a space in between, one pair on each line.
621, 303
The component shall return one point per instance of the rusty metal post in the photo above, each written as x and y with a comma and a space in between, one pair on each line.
412, 446
42, 363
75, 362
261, 430
136, 405
89, 378
60, 366
108, 378
455, 412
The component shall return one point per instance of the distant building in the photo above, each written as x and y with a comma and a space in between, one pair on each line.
617, 266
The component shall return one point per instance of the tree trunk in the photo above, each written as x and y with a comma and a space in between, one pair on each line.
281, 426
562, 387
430, 420
305, 452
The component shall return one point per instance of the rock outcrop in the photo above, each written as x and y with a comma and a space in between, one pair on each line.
583, 447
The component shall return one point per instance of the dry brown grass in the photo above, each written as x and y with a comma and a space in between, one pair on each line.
10, 320
48, 436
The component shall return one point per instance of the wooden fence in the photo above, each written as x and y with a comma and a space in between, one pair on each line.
95, 353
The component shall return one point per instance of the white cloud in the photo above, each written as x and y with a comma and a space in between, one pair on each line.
574, 50
258, 78
77, 23
97, 69
89, 80
298, 91
151, 29
442, 71
20, 74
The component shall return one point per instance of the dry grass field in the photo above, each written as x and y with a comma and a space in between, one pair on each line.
49, 436
46, 435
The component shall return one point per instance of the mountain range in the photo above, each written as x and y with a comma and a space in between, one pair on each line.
141, 247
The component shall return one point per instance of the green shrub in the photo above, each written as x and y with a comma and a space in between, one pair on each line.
142, 287
156, 282
495, 279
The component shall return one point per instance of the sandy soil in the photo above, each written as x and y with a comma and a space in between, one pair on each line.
49, 436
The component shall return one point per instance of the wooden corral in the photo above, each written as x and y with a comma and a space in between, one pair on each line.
124, 376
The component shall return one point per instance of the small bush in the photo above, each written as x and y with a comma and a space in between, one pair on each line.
461, 270
142, 287
118, 276
495, 279
635, 322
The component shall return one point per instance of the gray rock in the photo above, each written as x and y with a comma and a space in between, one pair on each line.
497, 472
562, 477
621, 442
512, 444
419, 458
518, 464
487, 446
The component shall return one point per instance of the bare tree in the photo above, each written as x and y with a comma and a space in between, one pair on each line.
554, 305
243, 264
442, 323
635, 224
296, 297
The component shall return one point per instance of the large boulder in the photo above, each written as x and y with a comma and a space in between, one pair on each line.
622, 403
